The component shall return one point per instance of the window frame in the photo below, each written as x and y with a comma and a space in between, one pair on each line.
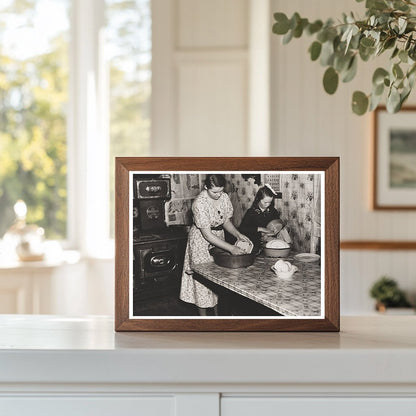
87, 133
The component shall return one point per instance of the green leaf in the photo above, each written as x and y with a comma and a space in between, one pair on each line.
408, 42
281, 26
314, 27
367, 42
412, 79
322, 36
359, 103
397, 71
374, 101
404, 95
376, 4
379, 75
315, 50
412, 52
393, 101
352, 32
288, 37
395, 52
389, 43
402, 24
366, 53
294, 20
341, 61
411, 76
351, 71
327, 53
355, 41
400, 5
412, 70
378, 89
330, 80
298, 30
403, 56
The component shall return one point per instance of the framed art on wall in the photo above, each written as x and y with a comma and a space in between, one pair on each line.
394, 179
227, 244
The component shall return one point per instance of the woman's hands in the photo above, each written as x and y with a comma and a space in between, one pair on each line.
242, 237
236, 251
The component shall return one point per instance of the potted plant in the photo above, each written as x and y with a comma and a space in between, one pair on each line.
387, 294
389, 27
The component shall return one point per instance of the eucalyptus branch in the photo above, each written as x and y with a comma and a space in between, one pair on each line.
389, 25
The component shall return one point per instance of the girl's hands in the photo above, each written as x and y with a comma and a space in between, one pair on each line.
276, 228
265, 232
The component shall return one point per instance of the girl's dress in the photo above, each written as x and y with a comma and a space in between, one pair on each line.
207, 213
254, 218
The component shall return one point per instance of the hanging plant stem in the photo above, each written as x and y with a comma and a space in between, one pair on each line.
388, 26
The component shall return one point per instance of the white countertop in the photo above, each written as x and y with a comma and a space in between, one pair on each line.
53, 349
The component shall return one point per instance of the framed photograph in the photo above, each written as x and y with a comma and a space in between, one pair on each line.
227, 244
394, 180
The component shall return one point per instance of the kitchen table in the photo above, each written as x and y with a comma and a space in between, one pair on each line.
298, 296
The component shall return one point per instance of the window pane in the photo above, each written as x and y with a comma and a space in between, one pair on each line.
33, 99
129, 45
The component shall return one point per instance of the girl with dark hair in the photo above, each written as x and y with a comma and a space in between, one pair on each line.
259, 215
212, 212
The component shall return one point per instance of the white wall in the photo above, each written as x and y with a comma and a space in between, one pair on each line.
202, 84
308, 122
210, 64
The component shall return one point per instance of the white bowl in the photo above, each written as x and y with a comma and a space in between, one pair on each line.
276, 252
284, 275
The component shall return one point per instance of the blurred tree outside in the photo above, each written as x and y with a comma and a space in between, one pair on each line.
129, 45
34, 102
33, 99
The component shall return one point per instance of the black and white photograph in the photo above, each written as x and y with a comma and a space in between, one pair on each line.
226, 244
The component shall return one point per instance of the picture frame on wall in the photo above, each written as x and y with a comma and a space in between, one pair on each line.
227, 244
394, 151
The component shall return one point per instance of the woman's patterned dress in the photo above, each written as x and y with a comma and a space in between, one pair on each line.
207, 213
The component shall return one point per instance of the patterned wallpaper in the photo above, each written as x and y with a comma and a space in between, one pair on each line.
241, 192
184, 189
299, 207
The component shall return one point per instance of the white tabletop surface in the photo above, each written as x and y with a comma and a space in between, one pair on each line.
54, 332
373, 349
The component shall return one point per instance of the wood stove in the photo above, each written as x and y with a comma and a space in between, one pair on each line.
158, 250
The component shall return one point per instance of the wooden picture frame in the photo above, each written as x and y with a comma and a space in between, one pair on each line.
293, 173
394, 159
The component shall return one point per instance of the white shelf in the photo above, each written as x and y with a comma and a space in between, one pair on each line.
50, 349
52, 365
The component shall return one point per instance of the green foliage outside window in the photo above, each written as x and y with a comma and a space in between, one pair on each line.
33, 99
34, 103
129, 38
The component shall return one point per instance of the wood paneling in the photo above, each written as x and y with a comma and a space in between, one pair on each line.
212, 108
211, 24
200, 77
